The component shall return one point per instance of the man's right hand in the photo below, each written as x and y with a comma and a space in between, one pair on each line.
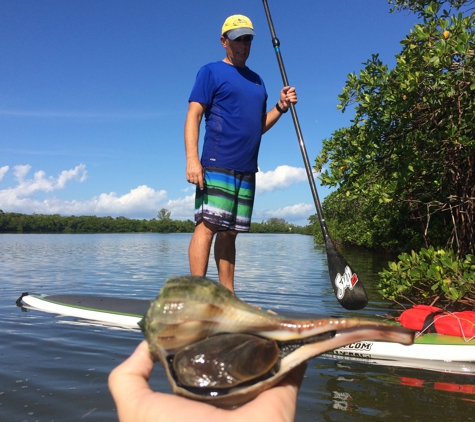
194, 173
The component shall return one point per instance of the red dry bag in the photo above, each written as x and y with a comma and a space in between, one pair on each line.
430, 319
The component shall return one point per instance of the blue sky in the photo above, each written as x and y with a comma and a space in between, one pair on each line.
93, 97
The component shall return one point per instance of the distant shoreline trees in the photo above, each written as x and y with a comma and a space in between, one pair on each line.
11, 222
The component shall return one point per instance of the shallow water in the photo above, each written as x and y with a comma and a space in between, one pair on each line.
55, 368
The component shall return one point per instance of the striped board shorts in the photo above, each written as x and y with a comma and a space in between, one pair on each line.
226, 200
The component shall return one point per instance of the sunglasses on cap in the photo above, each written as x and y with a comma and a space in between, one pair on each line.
244, 38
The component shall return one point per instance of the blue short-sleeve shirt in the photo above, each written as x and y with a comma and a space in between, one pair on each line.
235, 101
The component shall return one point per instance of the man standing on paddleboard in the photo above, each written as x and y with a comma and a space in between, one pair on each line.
233, 100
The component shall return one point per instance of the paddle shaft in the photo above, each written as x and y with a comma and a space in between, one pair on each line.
348, 289
303, 149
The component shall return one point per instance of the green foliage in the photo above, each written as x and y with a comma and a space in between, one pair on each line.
278, 225
428, 276
164, 214
41, 223
409, 154
426, 7
368, 224
314, 229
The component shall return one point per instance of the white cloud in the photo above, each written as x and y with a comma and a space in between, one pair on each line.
3, 171
40, 183
280, 178
141, 201
183, 208
295, 212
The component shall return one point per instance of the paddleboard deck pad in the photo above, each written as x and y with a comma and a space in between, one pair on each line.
430, 351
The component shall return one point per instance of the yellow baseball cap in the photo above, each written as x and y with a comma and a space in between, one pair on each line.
237, 25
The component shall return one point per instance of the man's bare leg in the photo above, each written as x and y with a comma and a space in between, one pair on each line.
225, 257
200, 247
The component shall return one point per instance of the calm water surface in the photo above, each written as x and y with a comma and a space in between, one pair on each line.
55, 368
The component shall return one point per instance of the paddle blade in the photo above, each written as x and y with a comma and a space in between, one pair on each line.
348, 289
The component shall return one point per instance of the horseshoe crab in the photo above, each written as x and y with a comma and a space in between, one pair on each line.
218, 349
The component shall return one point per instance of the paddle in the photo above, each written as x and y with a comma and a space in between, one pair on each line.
348, 289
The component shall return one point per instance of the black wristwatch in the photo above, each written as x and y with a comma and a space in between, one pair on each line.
280, 110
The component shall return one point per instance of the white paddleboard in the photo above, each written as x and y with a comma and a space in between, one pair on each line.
430, 351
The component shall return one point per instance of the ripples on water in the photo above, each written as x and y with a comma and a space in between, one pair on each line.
55, 368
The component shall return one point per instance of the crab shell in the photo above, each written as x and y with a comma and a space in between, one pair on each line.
190, 308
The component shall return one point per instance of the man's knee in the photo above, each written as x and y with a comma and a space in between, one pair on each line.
228, 234
205, 228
